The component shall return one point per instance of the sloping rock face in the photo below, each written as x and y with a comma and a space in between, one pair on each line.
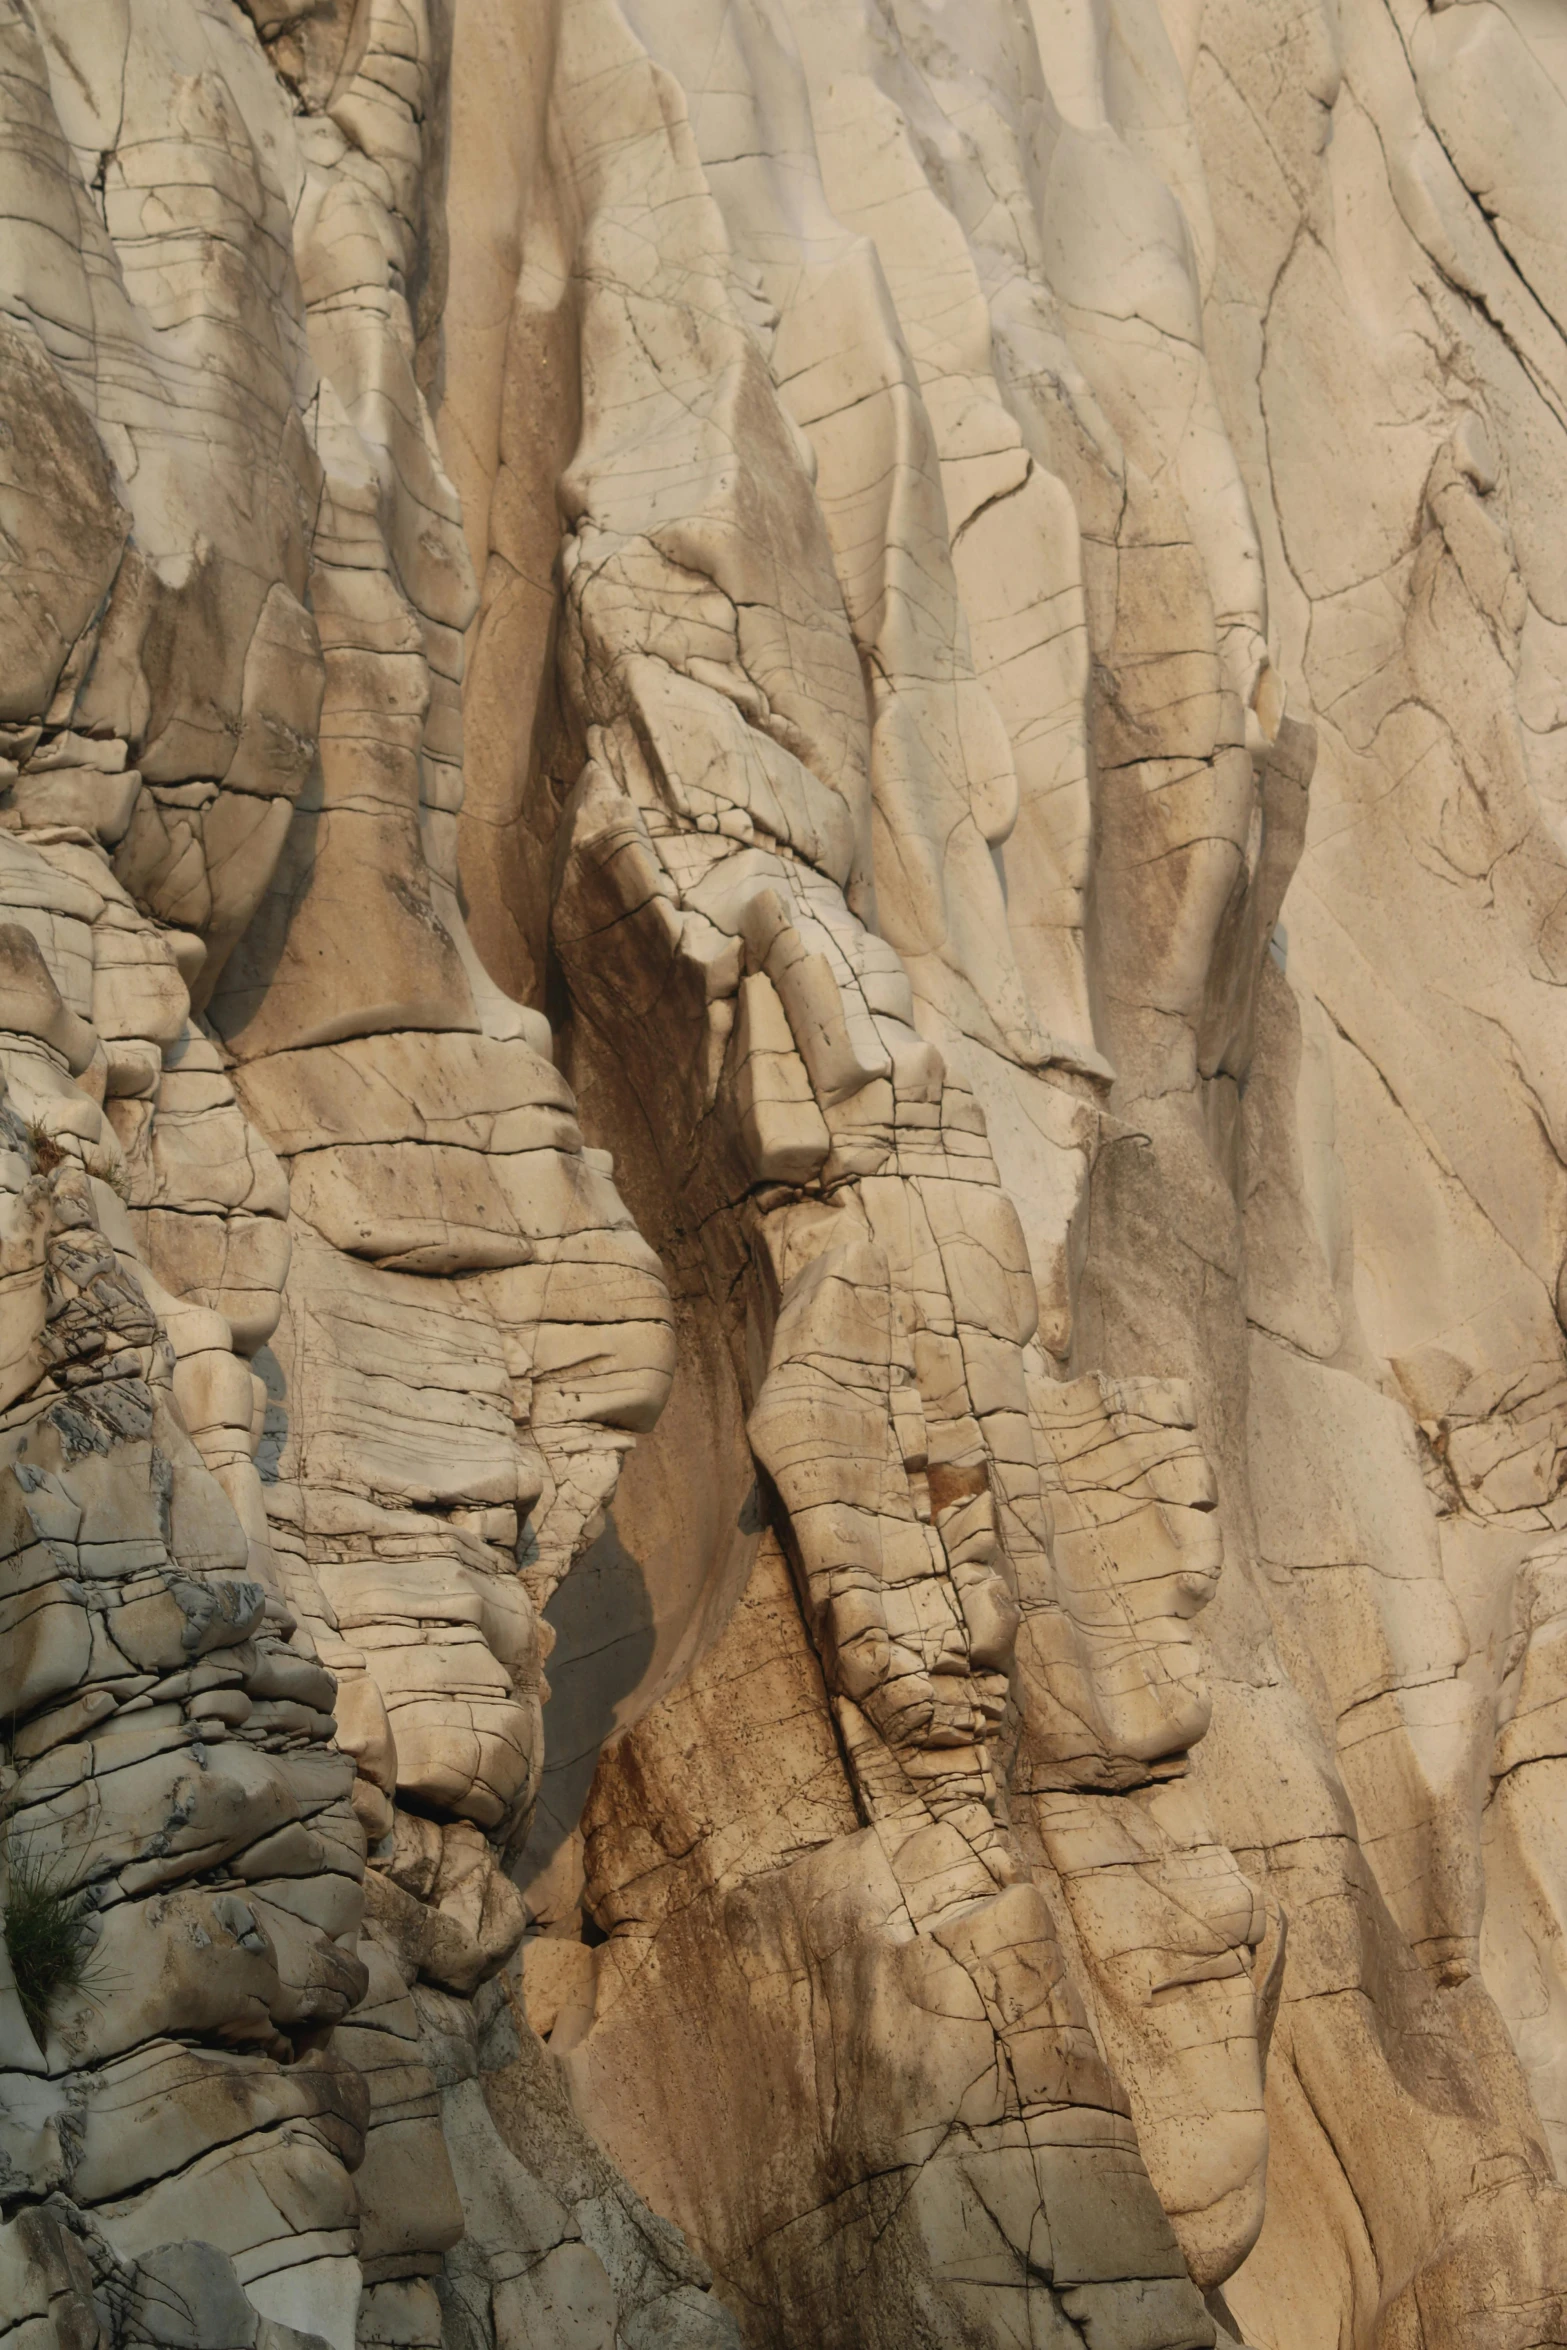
783, 1415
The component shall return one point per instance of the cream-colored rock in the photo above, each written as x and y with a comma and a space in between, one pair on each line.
1112, 1668
850, 718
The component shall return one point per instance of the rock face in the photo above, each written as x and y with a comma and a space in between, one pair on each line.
783, 846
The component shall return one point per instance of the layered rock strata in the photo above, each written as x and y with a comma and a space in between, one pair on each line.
778, 883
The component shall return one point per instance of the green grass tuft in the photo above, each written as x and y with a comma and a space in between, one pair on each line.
49, 1938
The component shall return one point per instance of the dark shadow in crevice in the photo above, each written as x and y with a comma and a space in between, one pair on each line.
602, 1616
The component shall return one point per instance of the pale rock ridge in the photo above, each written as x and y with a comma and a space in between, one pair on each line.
942, 627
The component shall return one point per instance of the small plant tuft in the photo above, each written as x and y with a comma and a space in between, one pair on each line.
48, 1151
48, 1937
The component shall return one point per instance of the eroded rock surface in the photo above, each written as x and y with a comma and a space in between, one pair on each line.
783, 1416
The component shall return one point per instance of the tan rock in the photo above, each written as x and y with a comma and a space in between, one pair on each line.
970, 604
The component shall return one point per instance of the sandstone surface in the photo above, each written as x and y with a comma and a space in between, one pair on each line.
783, 1175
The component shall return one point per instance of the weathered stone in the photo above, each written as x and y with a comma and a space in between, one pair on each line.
967, 608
